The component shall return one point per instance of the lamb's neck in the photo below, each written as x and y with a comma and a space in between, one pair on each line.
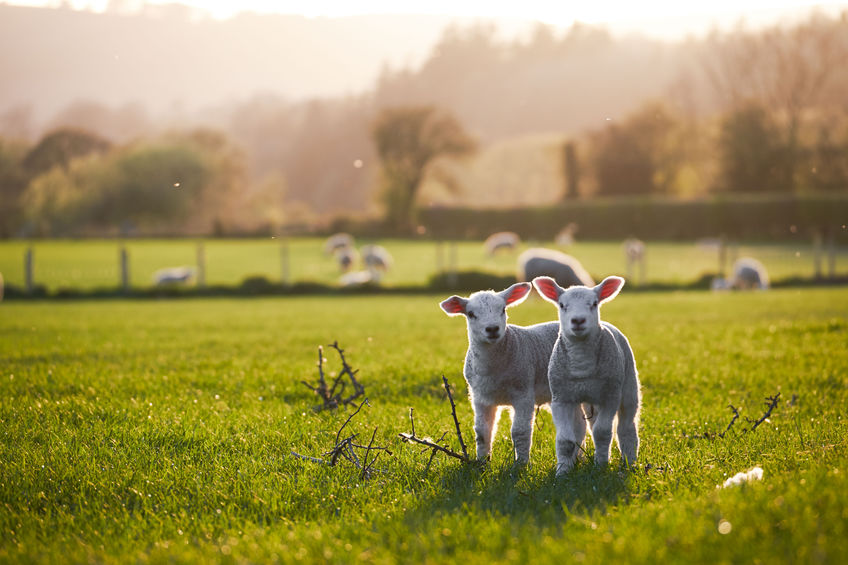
581, 355
492, 356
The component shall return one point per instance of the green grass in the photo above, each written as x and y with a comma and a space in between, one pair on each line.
160, 431
92, 264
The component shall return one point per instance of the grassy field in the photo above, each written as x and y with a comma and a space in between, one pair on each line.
86, 265
161, 431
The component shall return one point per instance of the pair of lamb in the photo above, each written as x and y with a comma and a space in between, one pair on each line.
582, 366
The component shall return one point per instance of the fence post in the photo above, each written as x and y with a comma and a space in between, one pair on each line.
125, 268
817, 254
284, 261
452, 260
201, 264
28, 260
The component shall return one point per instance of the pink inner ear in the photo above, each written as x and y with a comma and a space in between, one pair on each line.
547, 288
609, 288
453, 306
518, 293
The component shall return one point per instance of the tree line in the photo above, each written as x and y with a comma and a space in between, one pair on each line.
742, 112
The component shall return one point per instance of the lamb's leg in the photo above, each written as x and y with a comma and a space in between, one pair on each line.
484, 427
602, 433
628, 433
568, 433
523, 414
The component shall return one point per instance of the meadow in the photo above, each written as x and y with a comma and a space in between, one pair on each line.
94, 264
162, 430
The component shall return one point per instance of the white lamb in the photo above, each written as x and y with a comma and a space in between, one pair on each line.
591, 363
346, 257
748, 274
173, 275
337, 241
565, 269
376, 257
502, 240
505, 365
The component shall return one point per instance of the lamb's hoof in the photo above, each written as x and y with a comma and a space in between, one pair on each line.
562, 469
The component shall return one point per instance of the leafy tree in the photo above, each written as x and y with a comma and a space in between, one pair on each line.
13, 181
750, 157
60, 147
409, 139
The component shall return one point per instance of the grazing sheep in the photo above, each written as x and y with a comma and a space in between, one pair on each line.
565, 269
376, 258
565, 237
501, 240
359, 278
505, 365
346, 257
634, 254
748, 274
173, 275
336, 242
591, 363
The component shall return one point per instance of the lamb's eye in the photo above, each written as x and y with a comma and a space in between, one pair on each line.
595, 304
471, 314
563, 307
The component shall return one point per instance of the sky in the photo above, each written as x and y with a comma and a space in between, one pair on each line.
657, 18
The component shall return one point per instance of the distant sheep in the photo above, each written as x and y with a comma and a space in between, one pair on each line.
634, 254
747, 274
591, 363
338, 241
565, 237
359, 278
376, 258
1, 287
346, 257
505, 365
565, 269
502, 240
173, 275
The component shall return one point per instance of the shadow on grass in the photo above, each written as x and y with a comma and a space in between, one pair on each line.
525, 494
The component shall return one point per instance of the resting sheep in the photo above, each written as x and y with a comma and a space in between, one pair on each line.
565, 269
748, 273
505, 240
505, 365
173, 275
591, 363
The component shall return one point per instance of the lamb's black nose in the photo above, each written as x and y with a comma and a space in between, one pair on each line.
578, 321
492, 329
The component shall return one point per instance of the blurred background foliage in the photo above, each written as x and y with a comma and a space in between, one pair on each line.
555, 119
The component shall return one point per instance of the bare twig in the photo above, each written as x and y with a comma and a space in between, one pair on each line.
332, 396
733, 421
455, 420
770, 405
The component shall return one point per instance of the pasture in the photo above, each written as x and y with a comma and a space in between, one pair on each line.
93, 264
161, 431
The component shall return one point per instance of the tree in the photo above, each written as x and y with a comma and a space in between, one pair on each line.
571, 170
409, 140
13, 181
749, 154
59, 147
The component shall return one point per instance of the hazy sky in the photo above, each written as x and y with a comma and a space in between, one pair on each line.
659, 18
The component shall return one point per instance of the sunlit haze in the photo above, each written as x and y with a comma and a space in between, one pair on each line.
656, 18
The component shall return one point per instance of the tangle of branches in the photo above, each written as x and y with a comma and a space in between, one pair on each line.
332, 396
771, 404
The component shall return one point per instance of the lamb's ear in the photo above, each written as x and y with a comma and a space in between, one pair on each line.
609, 288
516, 293
454, 306
548, 288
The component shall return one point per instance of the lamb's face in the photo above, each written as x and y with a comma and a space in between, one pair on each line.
485, 311
579, 306
579, 312
486, 316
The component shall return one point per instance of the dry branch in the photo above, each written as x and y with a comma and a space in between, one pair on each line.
771, 404
332, 396
437, 446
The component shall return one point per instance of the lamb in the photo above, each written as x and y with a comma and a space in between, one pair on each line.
376, 257
173, 275
565, 269
591, 363
748, 273
346, 257
502, 240
337, 241
505, 365
634, 254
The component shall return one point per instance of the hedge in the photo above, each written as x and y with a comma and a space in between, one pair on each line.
738, 217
